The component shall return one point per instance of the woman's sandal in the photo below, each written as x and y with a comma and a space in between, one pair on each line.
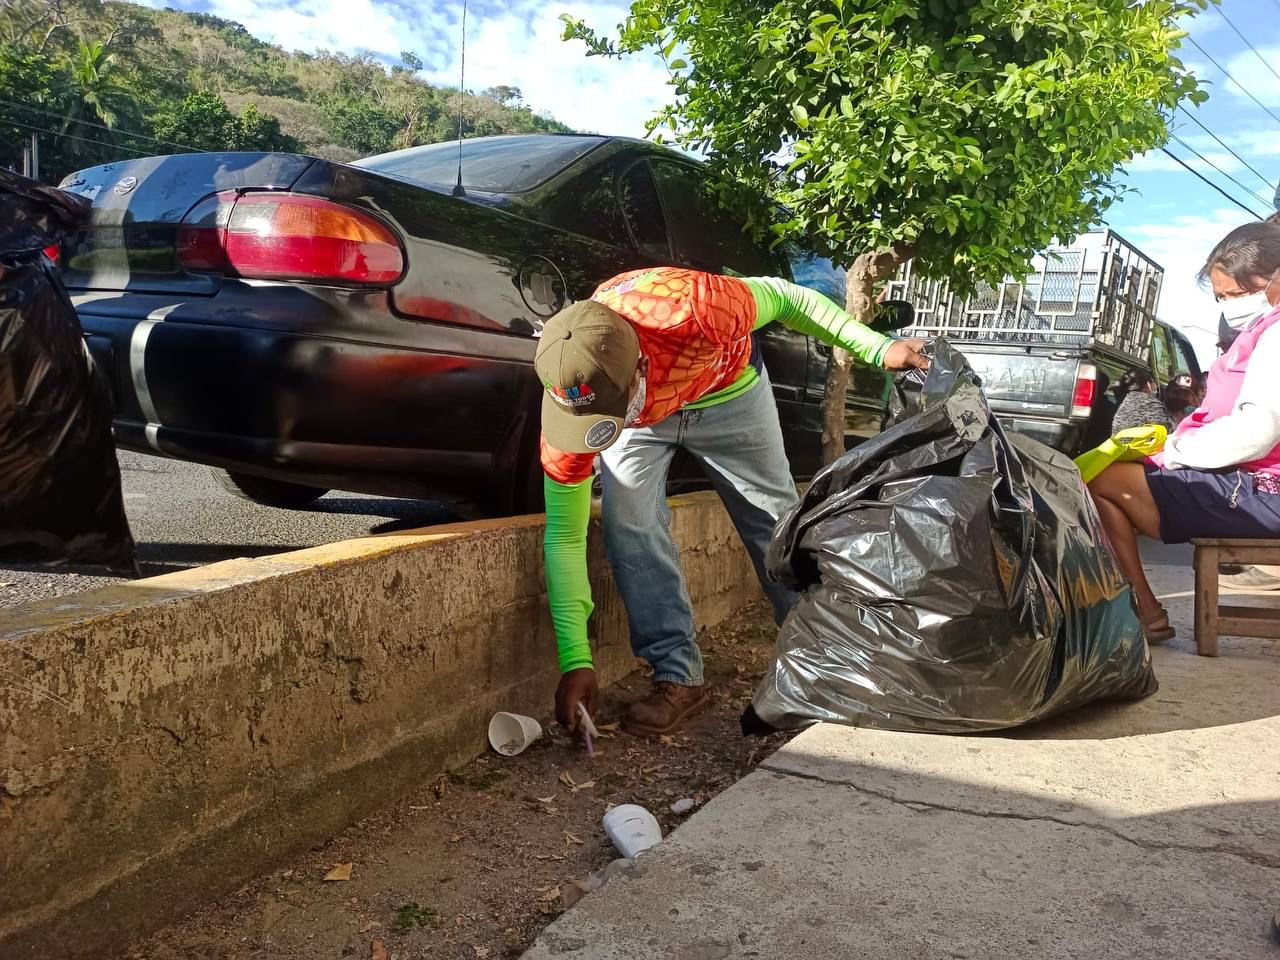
1158, 629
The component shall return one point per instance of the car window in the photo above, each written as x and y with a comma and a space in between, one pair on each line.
1161, 360
703, 234
1185, 358
489, 164
642, 210
815, 272
588, 205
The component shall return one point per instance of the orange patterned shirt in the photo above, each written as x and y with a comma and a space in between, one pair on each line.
694, 327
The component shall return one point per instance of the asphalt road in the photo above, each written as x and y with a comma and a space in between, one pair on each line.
181, 518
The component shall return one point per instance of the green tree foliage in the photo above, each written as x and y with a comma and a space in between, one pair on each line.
967, 134
105, 80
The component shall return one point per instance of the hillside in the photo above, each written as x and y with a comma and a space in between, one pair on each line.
99, 81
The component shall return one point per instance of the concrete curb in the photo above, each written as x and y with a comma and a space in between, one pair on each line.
163, 741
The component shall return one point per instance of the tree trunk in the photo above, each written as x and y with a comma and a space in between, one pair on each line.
860, 301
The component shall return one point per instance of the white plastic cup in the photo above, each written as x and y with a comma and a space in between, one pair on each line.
632, 828
511, 733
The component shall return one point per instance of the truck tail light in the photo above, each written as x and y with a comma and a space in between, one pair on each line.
284, 236
1086, 391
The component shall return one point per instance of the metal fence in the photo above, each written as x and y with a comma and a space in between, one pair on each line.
1100, 289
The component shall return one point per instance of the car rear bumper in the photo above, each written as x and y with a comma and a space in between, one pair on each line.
404, 409
1063, 435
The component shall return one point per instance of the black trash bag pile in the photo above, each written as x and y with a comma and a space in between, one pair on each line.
953, 579
60, 497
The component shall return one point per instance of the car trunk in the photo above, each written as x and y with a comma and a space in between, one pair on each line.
130, 242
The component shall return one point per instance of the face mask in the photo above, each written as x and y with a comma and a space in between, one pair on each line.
636, 406
1239, 312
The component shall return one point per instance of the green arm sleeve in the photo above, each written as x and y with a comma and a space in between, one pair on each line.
565, 558
812, 314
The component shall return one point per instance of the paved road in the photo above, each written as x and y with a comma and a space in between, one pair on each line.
181, 518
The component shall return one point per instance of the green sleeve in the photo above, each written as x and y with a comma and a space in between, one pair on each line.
812, 314
565, 558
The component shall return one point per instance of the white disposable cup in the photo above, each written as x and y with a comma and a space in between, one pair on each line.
511, 733
632, 828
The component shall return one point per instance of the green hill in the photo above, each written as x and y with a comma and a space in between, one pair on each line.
99, 81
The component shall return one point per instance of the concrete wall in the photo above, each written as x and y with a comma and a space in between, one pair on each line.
163, 741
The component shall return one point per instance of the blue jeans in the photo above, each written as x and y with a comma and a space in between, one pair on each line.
739, 445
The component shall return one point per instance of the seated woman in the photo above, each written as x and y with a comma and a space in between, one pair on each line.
1219, 473
1140, 404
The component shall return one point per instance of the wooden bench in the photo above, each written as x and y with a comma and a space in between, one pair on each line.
1213, 618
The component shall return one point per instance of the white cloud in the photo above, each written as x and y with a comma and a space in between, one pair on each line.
1254, 75
1180, 245
518, 44
523, 48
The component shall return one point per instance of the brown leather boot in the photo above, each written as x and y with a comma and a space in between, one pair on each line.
665, 710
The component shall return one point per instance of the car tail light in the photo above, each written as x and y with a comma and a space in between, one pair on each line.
53, 252
283, 236
1086, 390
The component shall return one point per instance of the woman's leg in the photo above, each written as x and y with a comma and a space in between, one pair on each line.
1126, 509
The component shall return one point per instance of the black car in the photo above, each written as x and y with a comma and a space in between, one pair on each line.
307, 325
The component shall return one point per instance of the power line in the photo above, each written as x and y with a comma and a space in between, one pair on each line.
101, 126
1203, 158
1196, 173
1242, 87
70, 136
1246, 42
1196, 120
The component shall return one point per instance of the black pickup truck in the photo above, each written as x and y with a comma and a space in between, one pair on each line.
1051, 350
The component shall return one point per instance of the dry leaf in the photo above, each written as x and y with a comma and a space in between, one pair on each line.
481, 952
567, 779
547, 799
669, 741
572, 839
583, 786
378, 951
608, 727
340, 871
441, 788
547, 856
455, 838
287, 874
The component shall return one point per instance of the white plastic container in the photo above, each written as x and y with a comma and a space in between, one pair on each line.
511, 733
632, 828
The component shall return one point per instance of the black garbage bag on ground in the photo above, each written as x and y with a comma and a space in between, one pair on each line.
60, 497
953, 579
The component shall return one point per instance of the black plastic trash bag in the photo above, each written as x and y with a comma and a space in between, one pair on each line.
60, 497
953, 579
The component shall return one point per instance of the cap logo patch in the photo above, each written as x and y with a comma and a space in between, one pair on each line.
579, 396
601, 434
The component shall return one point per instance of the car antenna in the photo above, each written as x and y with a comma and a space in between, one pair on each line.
458, 190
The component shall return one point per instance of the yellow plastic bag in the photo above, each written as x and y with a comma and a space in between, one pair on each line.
1127, 446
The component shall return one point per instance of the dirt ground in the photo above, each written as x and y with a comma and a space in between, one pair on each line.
472, 865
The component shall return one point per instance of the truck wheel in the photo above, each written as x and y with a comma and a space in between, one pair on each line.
269, 493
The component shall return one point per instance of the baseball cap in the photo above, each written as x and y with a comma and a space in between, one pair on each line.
586, 360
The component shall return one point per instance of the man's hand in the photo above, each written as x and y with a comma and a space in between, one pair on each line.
576, 687
905, 355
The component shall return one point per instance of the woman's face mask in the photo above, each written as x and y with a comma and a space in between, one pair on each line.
1239, 312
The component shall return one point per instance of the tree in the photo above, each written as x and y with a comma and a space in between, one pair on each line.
203, 121
966, 134
95, 86
505, 95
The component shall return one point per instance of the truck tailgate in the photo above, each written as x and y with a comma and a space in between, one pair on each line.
1025, 381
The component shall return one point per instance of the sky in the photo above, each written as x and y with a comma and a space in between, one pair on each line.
1171, 215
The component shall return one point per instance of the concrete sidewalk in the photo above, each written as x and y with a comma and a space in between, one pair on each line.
1139, 830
